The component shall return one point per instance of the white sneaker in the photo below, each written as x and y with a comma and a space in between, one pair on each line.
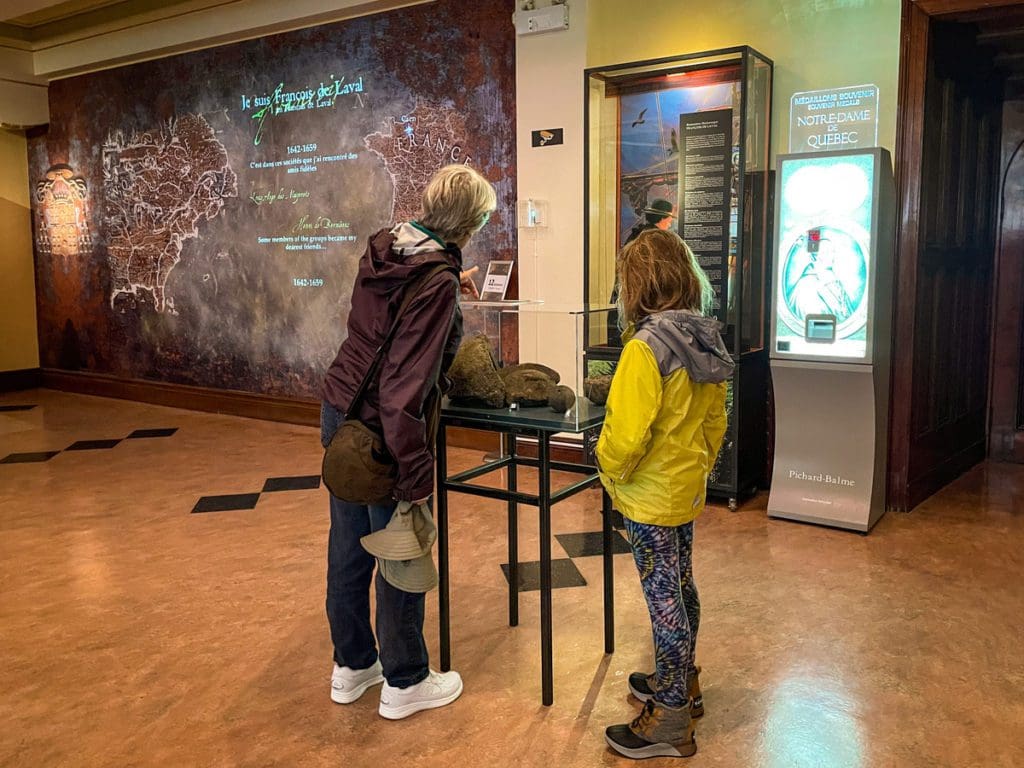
348, 684
436, 690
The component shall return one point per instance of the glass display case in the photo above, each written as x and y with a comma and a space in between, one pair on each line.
683, 143
544, 345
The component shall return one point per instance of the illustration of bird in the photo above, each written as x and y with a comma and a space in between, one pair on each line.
675, 143
640, 118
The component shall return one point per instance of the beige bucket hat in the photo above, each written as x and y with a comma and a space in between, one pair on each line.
403, 548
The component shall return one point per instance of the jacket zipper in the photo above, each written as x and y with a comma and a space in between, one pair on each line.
629, 468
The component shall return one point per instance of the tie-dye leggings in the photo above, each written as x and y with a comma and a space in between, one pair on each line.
664, 558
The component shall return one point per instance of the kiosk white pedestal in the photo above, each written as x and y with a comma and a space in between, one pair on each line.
830, 449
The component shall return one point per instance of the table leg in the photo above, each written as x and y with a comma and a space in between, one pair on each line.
443, 597
544, 504
609, 573
509, 446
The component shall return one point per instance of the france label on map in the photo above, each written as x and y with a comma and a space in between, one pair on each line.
159, 186
414, 147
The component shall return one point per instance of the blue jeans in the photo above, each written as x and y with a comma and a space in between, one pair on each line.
403, 653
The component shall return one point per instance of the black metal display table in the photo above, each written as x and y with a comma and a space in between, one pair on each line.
541, 423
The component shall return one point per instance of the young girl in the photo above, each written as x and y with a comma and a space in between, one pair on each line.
665, 423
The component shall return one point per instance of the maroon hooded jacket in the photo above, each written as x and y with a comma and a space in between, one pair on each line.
420, 353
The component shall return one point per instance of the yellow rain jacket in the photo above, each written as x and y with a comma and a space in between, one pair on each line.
665, 418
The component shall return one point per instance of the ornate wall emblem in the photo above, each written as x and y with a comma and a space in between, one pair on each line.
63, 224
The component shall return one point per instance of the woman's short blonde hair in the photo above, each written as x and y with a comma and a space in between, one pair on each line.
657, 272
457, 203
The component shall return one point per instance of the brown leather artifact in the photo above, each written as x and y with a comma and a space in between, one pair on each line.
474, 375
596, 389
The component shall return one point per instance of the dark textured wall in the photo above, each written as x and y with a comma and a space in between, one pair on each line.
182, 236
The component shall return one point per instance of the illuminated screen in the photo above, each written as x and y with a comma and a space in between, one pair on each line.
824, 254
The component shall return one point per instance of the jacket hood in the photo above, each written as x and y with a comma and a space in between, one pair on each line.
394, 257
684, 339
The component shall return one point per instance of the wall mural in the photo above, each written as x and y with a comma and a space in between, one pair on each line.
199, 219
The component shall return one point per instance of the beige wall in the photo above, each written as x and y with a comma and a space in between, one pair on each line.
549, 94
19, 347
23, 98
814, 44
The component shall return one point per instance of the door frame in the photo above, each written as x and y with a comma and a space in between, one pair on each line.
913, 74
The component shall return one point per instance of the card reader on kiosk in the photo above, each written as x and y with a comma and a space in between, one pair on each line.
818, 329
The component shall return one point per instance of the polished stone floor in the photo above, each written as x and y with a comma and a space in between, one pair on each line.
137, 632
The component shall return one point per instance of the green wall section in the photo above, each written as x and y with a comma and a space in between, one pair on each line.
815, 44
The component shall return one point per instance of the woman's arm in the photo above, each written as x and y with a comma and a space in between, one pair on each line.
633, 402
411, 368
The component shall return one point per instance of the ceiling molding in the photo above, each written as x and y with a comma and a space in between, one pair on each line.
55, 11
14, 32
950, 7
145, 12
110, 17
100, 38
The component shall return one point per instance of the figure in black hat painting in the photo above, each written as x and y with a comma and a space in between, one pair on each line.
659, 214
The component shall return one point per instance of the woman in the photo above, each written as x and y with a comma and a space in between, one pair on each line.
664, 427
456, 203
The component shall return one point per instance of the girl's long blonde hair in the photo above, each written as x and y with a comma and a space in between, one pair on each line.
658, 272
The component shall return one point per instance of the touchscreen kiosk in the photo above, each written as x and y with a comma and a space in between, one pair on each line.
831, 325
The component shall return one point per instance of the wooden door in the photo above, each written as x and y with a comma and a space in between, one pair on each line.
1006, 439
942, 354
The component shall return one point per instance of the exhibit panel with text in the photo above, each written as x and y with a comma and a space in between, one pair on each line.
200, 221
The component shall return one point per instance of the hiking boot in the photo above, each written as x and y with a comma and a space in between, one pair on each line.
437, 689
659, 731
348, 684
642, 687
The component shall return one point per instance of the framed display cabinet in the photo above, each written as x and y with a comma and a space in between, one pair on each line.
689, 135
552, 336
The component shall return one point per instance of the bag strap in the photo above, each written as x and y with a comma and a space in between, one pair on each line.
410, 294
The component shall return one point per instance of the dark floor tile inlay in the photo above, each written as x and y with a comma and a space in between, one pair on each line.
304, 483
589, 544
140, 433
28, 458
226, 503
9, 408
564, 573
92, 445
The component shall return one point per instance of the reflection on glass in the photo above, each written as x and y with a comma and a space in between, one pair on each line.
757, 187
